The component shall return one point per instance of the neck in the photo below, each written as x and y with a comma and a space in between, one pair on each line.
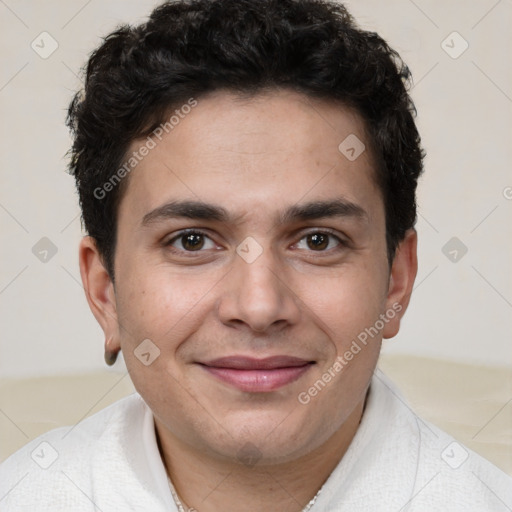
207, 484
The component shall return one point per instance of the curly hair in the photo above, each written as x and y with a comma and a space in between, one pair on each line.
188, 48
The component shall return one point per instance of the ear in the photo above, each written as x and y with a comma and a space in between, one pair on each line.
401, 281
100, 293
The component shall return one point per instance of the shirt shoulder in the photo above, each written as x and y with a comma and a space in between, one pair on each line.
71, 468
451, 475
398, 461
77, 438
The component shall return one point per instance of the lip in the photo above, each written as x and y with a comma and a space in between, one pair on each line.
257, 375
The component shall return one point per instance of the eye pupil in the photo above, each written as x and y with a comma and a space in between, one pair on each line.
193, 241
318, 241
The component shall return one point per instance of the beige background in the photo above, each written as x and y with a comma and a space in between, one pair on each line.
460, 315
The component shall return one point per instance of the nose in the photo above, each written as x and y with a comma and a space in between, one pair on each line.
257, 295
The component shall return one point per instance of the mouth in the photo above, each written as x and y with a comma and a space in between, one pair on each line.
257, 375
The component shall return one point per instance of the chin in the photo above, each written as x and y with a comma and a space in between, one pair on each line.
274, 439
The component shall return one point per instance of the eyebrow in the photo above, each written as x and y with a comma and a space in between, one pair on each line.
188, 209
200, 210
323, 209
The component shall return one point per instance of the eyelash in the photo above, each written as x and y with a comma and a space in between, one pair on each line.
168, 244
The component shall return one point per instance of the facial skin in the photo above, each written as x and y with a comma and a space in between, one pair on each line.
256, 159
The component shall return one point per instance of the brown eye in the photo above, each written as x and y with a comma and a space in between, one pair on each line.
191, 241
318, 241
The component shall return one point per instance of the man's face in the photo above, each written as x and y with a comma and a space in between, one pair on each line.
291, 266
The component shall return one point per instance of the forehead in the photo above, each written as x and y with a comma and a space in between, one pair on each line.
263, 151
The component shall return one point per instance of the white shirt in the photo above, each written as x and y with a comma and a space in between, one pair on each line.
395, 463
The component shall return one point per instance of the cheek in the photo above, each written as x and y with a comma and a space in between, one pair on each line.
162, 304
350, 302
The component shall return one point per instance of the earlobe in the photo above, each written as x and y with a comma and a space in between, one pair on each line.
401, 282
110, 353
99, 291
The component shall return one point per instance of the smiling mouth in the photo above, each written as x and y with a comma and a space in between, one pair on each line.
257, 375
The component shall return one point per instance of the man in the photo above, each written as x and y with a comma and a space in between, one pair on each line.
247, 174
